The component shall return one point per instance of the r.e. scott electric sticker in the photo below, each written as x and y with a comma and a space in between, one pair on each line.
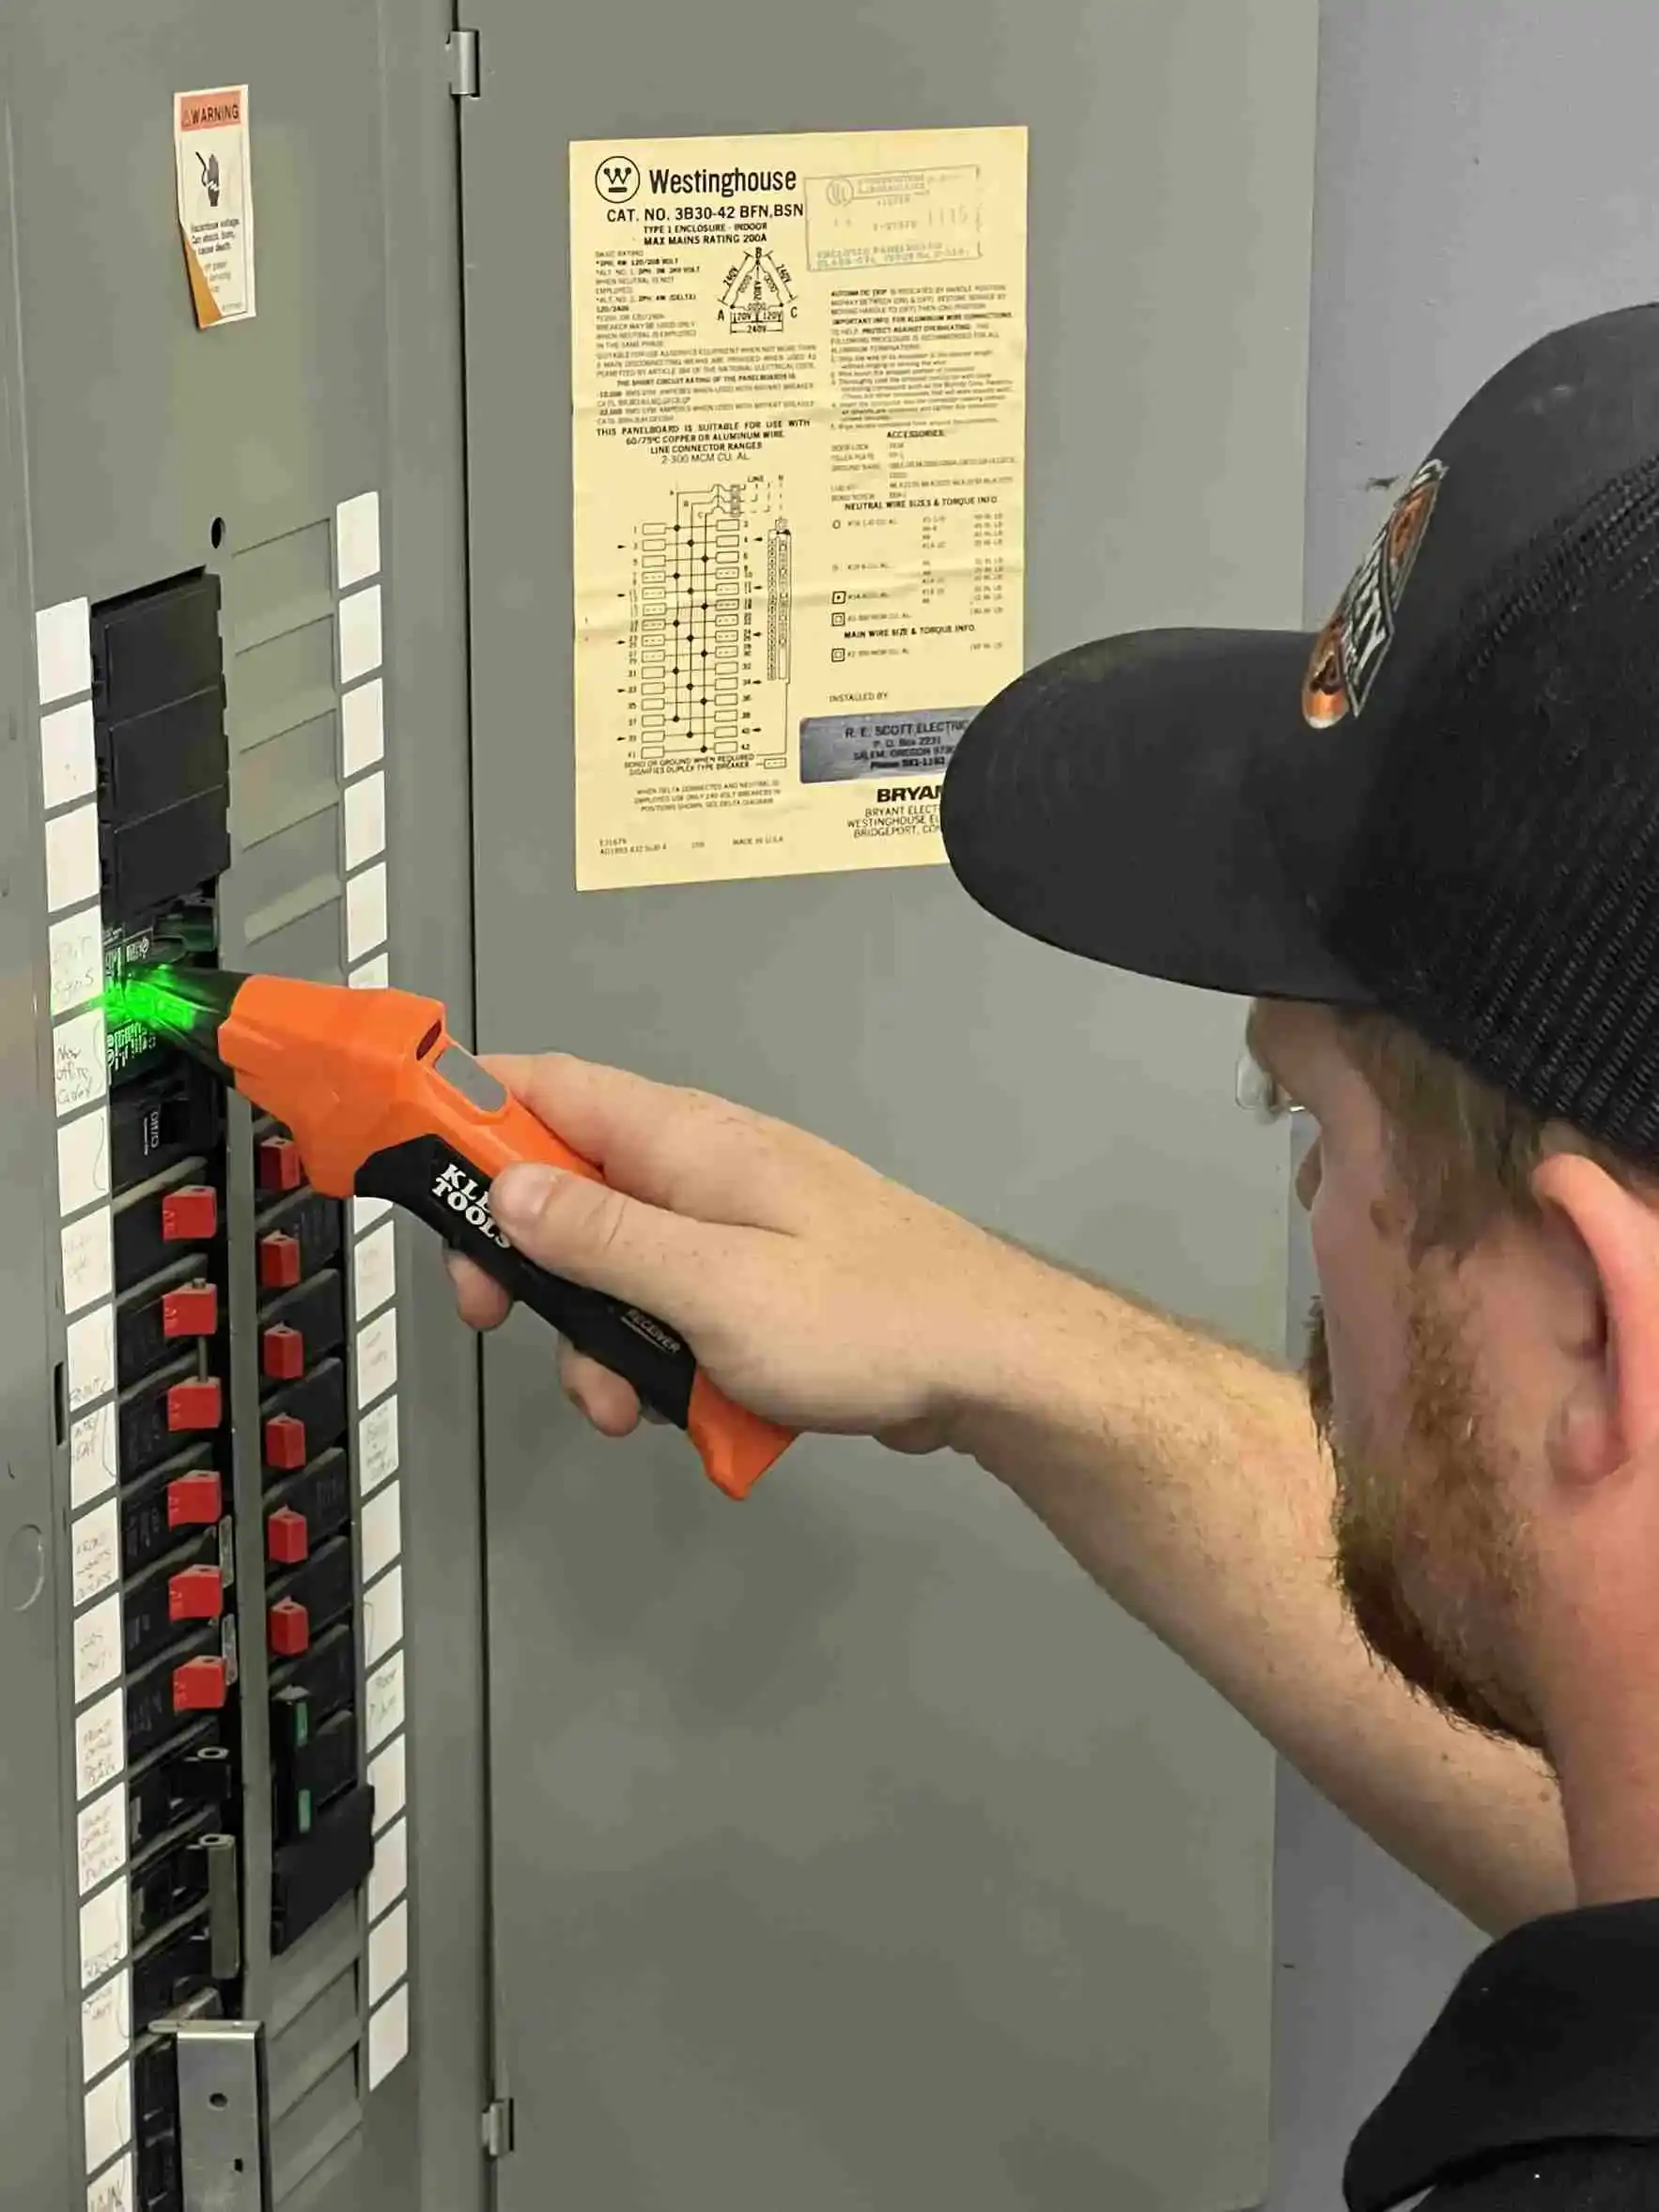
837, 747
1350, 650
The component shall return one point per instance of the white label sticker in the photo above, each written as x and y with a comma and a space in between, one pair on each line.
215, 201
374, 974
365, 912
84, 1160
97, 1648
365, 819
109, 2118
72, 859
101, 1744
382, 1617
377, 1445
92, 1455
79, 1060
388, 1777
104, 1922
388, 1952
63, 650
377, 1357
100, 1837
88, 1260
388, 1876
374, 1270
357, 541
360, 634
112, 2191
363, 728
382, 1530
95, 1541
89, 1343
366, 1212
385, 1700
388, 2036
68, 766
107, 2026
77, 959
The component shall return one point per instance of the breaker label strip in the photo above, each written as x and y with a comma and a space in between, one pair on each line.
69, 776
373, 1282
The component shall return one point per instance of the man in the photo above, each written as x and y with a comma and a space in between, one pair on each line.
1426, 843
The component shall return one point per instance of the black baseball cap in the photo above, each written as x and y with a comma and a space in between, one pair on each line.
1444, 803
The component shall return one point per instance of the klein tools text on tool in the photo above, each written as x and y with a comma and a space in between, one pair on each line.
383, 1103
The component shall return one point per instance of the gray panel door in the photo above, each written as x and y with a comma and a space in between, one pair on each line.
134, 447
849, 1850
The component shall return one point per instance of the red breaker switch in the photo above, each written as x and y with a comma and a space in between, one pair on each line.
282, 1354
279, 1261
194, 1501
285, 1443
288, 1540
191, 1310
198, 1402
279, 1166
200, 1685
190, 1214
195, 1593
290, 1625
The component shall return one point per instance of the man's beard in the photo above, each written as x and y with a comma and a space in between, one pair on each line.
1432, 1511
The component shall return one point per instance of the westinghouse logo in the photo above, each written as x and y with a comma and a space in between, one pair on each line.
892, 795
617, 177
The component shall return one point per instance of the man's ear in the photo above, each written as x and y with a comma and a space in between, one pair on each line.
1612, 1413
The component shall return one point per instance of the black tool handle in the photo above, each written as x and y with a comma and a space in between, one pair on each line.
428, 1177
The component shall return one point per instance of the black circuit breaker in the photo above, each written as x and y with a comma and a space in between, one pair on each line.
181, 1265
322, 1809
163, 780
163, 792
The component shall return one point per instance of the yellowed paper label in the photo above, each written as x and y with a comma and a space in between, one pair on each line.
216, 202
799, 375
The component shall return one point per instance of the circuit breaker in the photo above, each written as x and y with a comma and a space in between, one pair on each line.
234, 1528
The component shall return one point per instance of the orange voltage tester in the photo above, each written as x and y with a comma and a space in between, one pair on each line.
383, 1103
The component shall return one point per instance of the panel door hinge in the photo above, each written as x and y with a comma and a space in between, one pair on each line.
498, 2128
463, 64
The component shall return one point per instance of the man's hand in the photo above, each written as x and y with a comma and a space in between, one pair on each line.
811, 1288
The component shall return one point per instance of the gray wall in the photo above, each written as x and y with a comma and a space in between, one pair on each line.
1485, 172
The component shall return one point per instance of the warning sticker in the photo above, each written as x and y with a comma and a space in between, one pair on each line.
799, 383
216, 202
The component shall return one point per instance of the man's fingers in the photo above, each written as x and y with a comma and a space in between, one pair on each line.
608, 1240
483, 1303
600, 1396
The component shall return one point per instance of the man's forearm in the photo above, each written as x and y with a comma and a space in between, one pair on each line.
1184, 1477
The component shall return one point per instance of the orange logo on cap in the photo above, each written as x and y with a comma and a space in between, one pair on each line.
1350, 650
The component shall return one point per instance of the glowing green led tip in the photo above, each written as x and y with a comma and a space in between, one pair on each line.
152, 999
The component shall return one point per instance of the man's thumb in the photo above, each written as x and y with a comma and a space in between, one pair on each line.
520, 1195
584, 1230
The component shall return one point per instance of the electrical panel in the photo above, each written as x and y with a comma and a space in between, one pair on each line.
236, 1426
203, 1446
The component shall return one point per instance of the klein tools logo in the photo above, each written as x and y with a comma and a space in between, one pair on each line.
618, 179
460, 1193
1350, 650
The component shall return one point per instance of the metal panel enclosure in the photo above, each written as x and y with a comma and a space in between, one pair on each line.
135, 448
849, 1850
